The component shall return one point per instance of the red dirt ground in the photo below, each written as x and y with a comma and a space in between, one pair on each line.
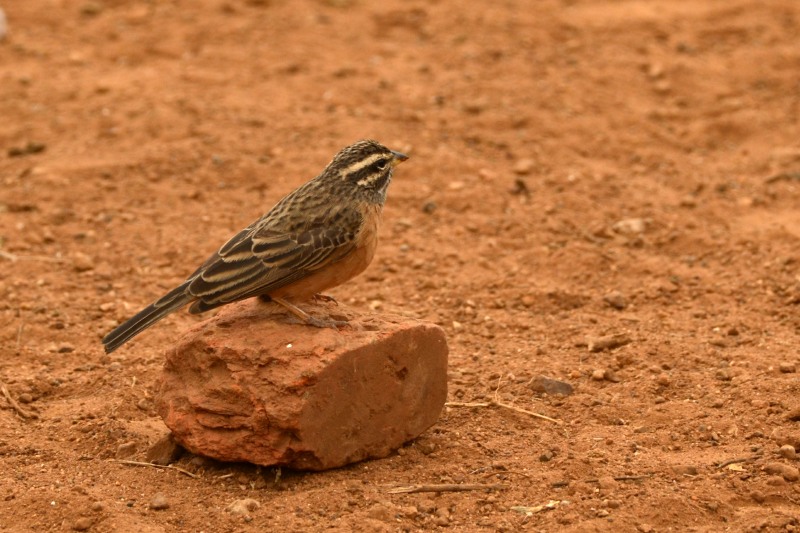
565, 153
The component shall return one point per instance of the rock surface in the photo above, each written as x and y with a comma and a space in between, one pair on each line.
251, 384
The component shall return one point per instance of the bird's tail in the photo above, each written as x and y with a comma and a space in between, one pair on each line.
172, 301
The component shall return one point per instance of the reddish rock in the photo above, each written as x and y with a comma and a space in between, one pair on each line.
251, 384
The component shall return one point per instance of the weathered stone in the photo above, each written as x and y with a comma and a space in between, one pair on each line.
550, 386
126, 449
607, 342
251, 384
165, 451
789, 473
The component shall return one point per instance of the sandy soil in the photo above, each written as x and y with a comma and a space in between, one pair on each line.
579, 169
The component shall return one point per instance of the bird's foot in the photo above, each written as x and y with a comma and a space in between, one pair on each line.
308, 319
325, 298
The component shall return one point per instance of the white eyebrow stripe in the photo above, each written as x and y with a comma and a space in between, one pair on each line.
355, 167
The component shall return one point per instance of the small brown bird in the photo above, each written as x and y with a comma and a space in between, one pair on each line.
317, 237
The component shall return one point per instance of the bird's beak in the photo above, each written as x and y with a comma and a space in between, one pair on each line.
398, 158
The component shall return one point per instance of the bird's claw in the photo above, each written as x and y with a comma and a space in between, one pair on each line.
325, 298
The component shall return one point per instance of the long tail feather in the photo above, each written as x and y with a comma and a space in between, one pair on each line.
145, 318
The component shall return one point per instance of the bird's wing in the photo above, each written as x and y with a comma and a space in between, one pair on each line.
261, 259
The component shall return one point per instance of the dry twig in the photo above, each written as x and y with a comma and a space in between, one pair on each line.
14, 257
19, 332
24, 413
495, 403
622, 478
165, 467
408, 489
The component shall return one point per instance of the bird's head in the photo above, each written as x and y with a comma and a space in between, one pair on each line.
367, 167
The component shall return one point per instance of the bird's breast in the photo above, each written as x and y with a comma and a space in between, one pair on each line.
346, 268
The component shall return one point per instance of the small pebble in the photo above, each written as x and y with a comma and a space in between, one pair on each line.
607, 342
724, 374
82, 262
794, 415
787, 368
441, 521
381, 511
598, 374
787, 451
25, 398
126, 449
165, 451
616, 300
607, 483
630, 226
91, 9
550, 386
789, 473
663, 379
426, 448
243, 507
65, 347
97, 506
776, 481
82, 524
159, 502
611, 376
524, 166
685, 470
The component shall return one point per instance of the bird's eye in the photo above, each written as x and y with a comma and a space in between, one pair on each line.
381, 165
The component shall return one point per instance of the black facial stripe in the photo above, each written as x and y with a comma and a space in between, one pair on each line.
370, 173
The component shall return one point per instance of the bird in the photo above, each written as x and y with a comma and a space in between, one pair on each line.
319, 236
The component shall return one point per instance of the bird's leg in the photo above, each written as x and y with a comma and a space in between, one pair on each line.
306, 318
325, 298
